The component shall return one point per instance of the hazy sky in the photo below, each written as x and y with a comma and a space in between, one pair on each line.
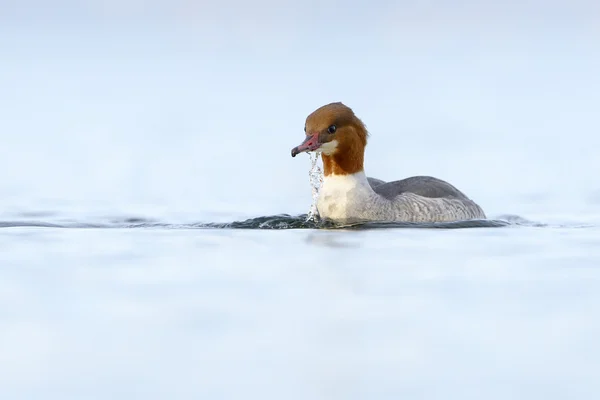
284, 17
144, 95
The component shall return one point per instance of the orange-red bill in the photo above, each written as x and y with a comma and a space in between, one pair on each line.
311, 143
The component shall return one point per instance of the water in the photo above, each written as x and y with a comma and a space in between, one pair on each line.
155, 239
316, 180
138, 308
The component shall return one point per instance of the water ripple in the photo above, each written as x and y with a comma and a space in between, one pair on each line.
281, 221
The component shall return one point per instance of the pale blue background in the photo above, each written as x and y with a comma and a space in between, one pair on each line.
185, 105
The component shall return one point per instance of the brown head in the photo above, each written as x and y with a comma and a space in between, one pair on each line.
334, 131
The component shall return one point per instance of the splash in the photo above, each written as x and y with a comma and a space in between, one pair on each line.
316, 180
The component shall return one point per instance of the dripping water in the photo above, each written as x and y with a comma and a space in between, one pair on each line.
316, 180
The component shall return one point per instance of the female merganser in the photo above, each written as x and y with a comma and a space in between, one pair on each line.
348, 195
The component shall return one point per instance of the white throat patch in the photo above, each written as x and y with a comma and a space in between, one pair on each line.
328, 148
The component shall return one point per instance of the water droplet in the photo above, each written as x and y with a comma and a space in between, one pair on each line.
316, 180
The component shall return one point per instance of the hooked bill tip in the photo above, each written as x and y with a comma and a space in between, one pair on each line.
295, 151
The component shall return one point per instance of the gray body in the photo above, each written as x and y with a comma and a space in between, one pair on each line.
416, 199
452, 204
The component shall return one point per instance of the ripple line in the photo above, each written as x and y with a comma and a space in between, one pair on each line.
273, 222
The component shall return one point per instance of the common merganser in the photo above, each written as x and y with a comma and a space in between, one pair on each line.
348, 195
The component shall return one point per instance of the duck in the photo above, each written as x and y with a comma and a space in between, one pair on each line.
347, 195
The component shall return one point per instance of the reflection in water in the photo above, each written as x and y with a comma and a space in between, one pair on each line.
330, 240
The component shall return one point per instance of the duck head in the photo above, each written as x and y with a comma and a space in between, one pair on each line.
340, 136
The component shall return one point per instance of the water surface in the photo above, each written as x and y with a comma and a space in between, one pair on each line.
133, 308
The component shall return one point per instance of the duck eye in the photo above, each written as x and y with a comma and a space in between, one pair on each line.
331, 129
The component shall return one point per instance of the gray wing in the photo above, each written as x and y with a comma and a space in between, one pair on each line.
374, 181
425, 186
